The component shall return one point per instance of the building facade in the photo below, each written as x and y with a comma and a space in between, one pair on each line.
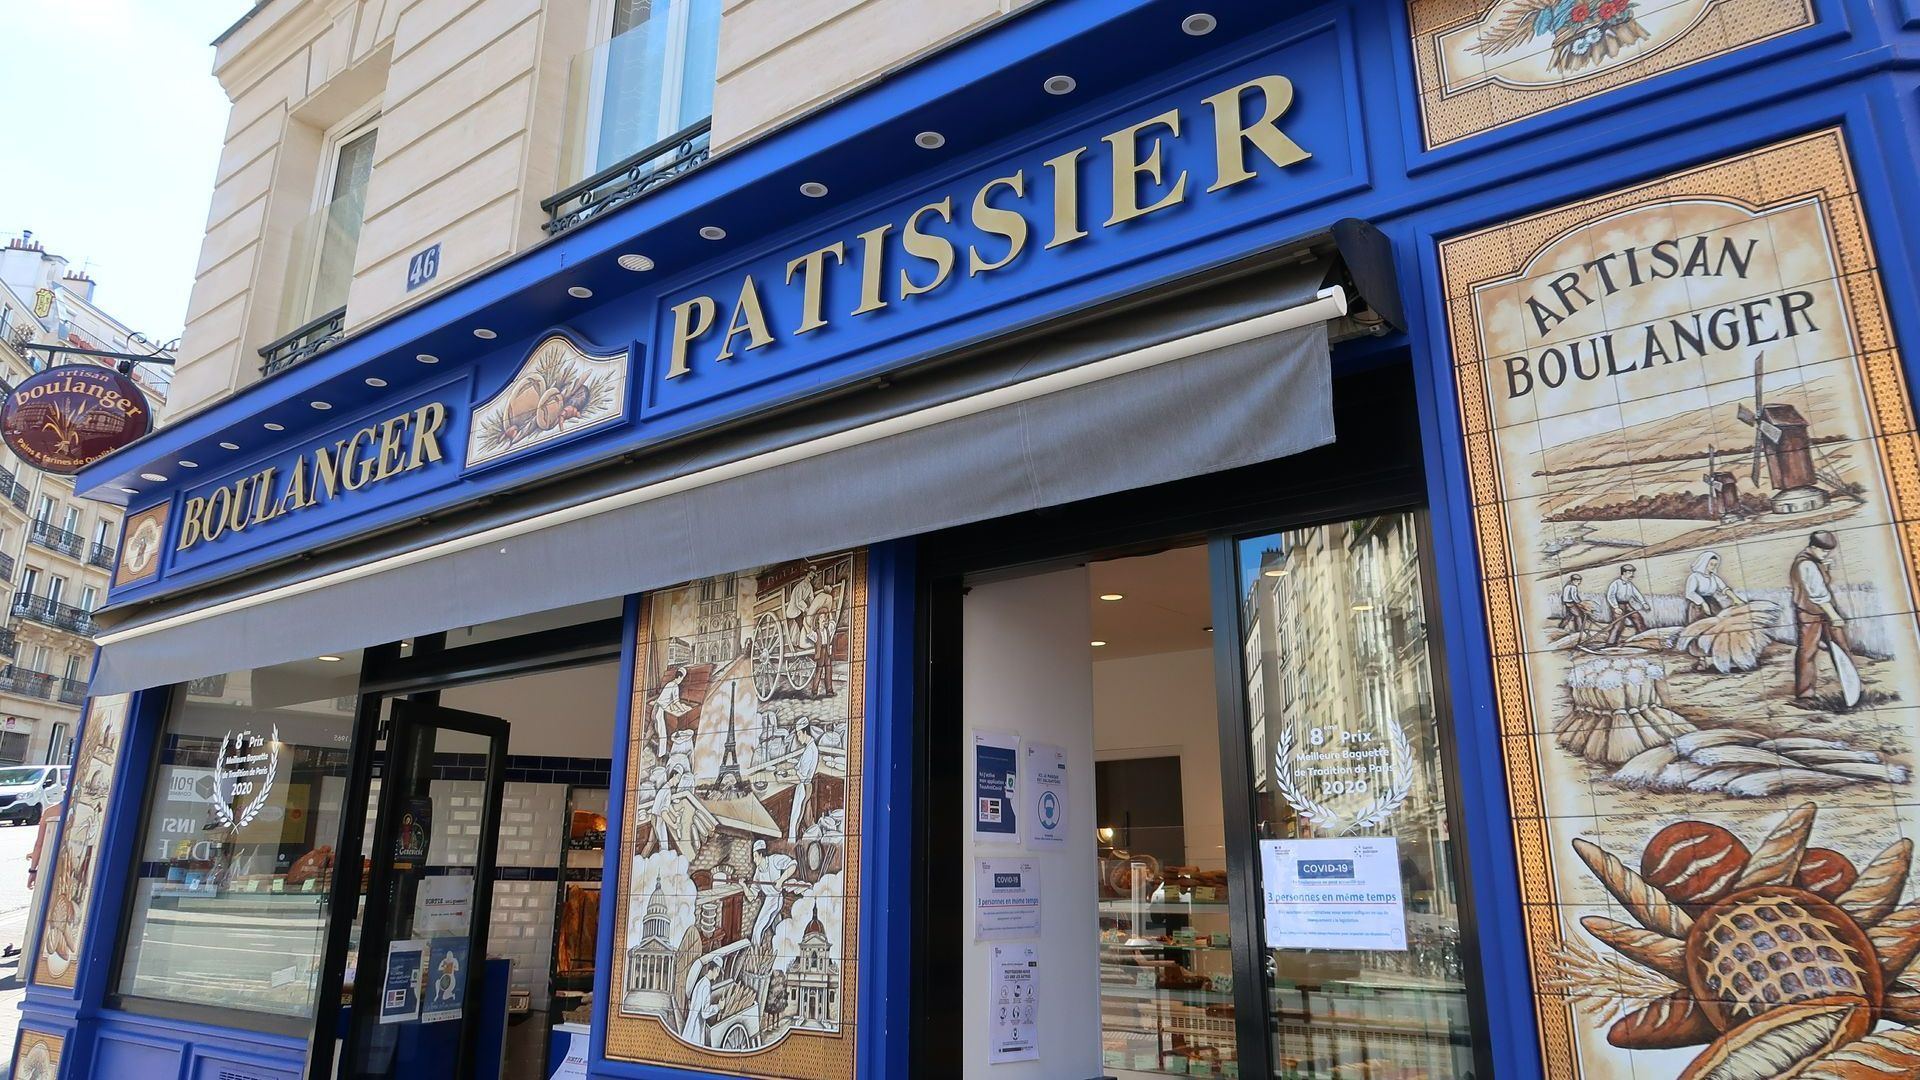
1091, 538
57, 550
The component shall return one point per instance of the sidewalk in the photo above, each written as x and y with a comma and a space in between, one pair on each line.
13, 985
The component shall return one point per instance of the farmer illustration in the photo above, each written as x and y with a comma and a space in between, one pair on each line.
1626, 607
1818, 622
1574, 614
1706, 591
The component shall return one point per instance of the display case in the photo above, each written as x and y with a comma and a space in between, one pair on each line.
577, 906
1166, 973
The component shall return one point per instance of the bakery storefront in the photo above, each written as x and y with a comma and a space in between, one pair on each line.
1325, 542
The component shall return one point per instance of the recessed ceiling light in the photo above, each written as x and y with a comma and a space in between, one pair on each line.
1096, 644
813, 189
635, 262
329, 659
323, 406
153, 476
185, 464
1199, 24
929, 140
229, 446
1059, 85
1276, 573
484, 334
376, 381
1208, 629
712, 232
580, 292
131, 491
1113, 596
271, 426
426, 358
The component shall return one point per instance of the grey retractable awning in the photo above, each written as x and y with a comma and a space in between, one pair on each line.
1251, 401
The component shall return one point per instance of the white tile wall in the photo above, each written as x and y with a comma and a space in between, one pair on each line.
532, 831
532, 824
457, 809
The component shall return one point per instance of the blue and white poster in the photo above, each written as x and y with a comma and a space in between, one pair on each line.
400, 991
1047, 781
1333, 893
446, 979
996, 773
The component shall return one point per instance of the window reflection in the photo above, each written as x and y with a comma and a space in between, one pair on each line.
1360, 905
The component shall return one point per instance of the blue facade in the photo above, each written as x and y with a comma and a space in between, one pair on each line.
1352, 69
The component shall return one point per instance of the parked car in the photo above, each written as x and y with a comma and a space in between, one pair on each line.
26, 789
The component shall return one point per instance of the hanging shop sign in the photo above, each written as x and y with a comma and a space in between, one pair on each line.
69, 417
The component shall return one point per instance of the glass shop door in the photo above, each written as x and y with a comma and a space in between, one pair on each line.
423, 942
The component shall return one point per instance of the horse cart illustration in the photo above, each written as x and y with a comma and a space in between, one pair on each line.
787, 617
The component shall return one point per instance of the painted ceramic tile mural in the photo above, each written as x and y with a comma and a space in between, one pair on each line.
1485, 63
63, 937
1695, 475
36, 1056
560, 389
739, 913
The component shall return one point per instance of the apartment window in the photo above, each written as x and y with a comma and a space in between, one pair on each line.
337, 220
73, 673
56, 587
44, 512
653, 77
102, 532
29, 578
59, 745
71, 521
89, 596
40, 657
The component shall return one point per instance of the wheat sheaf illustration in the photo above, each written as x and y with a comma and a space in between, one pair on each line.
1782, 960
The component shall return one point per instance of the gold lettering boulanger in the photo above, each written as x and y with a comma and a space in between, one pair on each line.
1137, 174
381, 451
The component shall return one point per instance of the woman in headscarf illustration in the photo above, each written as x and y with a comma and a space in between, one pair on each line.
1706, 591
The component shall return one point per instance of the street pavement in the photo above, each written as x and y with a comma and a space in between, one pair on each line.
15, 842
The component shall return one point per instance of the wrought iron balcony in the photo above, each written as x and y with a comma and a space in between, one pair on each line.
669, 159
12, 488
54, 538
73, 691
100, 555
26, 682
9, 642
304, 342
51, 612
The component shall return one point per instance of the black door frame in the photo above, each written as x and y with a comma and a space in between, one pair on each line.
1379, 471
420, 674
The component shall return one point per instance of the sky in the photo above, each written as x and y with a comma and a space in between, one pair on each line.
115, 124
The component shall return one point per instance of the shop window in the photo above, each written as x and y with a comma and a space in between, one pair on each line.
1362, 895
231, 882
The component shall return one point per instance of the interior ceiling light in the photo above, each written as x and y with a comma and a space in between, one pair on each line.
229, 446
376, 381
153, 476
580, 292
1199, 24
1059, 85
813, 189
426, 358
712, 232
271, 426
635, 262
484, 334
329, 659
185, 464
131, 491
929, 140
1113, 596
323, 406
1096, 644
1208, 629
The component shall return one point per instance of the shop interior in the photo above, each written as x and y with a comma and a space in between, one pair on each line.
1114, 662
234, 913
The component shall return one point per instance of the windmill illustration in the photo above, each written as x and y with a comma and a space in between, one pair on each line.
1780, 439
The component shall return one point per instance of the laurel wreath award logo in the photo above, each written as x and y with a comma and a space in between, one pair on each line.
249, 763
1399, 772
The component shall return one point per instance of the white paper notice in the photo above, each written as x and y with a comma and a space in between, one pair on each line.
1006, 899
1333, 894
1015, 1004
443, 907
1047, 795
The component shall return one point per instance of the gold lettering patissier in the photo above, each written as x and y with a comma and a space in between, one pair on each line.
390, 448
925, 256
